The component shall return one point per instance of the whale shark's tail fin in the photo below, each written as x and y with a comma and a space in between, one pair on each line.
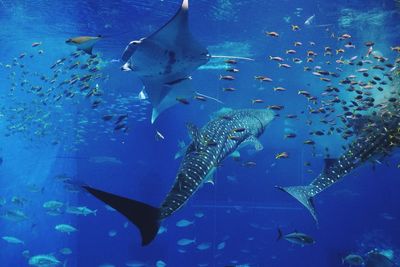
304, 194
145, 217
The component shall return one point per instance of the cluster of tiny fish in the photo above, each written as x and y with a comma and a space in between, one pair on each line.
62, 103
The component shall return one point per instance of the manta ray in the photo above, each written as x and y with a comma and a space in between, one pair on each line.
165, 60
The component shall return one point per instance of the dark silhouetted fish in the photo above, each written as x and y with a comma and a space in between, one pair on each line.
197, 167
377, 259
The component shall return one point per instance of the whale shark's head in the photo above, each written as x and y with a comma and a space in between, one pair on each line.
265, 116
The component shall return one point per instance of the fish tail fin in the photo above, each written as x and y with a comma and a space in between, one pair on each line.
280, 234
304, 195
88, 50
95, 212
145, 217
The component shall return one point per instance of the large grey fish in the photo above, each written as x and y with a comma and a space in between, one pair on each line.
297, 238
84, 43
209, 147
377, 259
376, 140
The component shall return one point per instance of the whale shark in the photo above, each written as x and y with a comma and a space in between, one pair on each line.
210, 145
165, 60
377, 137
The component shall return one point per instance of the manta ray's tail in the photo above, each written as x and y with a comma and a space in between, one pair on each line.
145, 217
232, 57
304, 194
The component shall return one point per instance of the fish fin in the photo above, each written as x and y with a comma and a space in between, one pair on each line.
252, 140
88, 50
181, 152
145, 217
235, 154
163, 96
304, 195
329, 163
280, 234
210, 176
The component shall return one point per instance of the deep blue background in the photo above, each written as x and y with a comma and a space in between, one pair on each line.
245, 213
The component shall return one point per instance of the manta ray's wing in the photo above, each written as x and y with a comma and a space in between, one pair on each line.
164, 96
166, 58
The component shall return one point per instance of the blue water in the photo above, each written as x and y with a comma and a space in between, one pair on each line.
42, 139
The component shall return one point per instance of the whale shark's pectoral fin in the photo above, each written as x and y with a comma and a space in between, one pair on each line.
252, 141
210, 176
181, 152
235, 154
304, 194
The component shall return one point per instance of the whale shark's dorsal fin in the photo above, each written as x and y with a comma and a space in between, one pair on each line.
165, 59
329, 162
194, 133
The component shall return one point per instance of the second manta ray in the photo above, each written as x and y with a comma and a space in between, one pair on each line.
209, 147
376, 137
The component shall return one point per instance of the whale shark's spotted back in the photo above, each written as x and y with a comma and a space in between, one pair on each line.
210, 145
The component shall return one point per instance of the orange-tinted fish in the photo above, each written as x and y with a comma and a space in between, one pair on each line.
200, 98
272, 34
295, 27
